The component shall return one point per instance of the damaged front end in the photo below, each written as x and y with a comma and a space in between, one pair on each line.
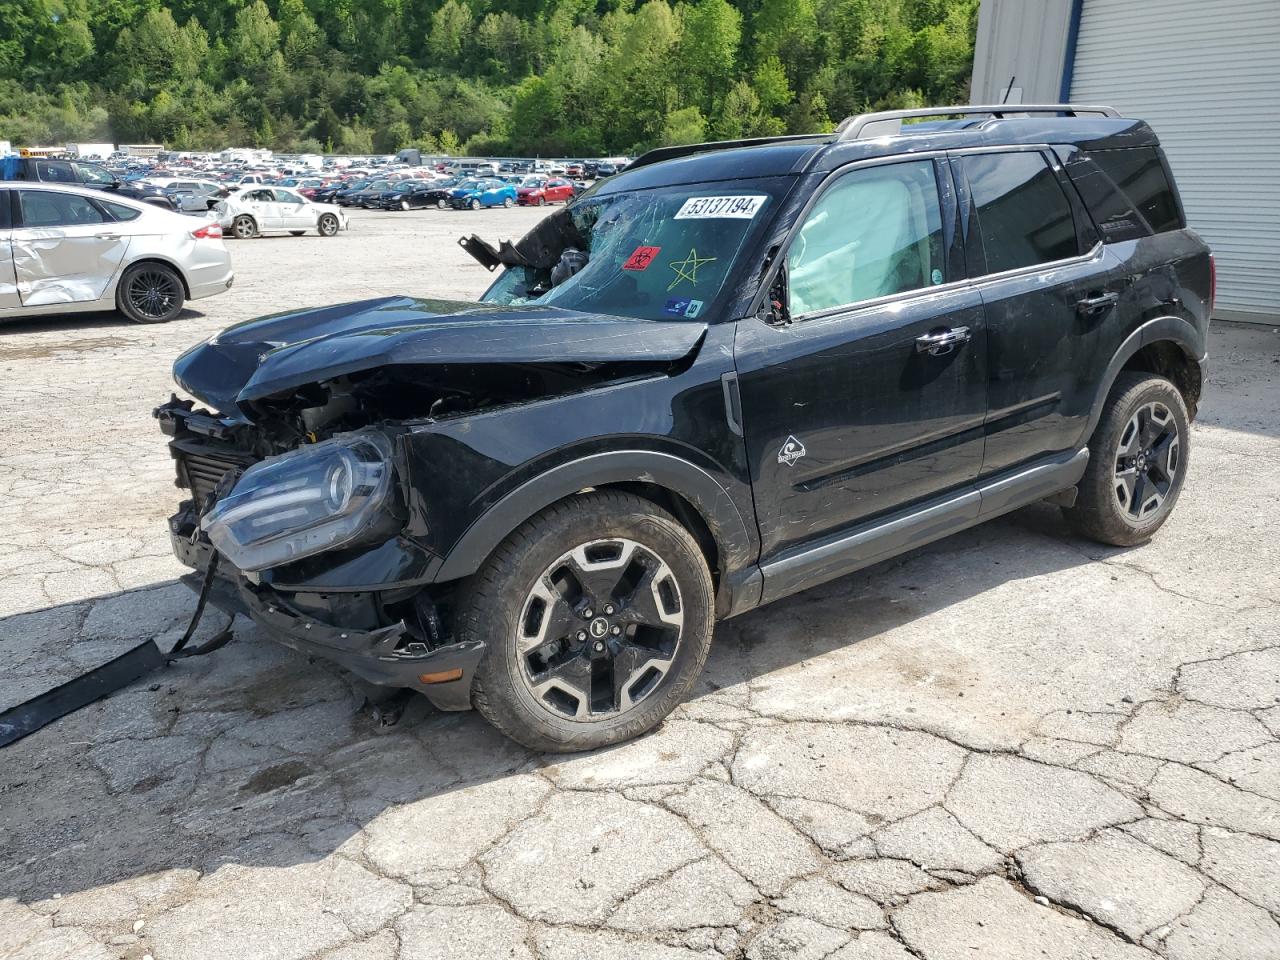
309, 546
300, 469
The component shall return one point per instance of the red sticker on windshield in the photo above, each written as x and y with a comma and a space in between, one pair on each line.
641, 257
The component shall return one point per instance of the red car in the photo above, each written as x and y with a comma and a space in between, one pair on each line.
542, 191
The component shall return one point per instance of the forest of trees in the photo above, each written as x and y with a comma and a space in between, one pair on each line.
555, 77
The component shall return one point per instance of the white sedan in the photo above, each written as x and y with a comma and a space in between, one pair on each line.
257, 210
72, 250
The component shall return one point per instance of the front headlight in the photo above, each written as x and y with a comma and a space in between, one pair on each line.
318, 498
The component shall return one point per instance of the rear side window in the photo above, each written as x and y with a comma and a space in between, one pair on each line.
1023, 214
55, 171
1140, 184
120, 211
4, 208
44, 208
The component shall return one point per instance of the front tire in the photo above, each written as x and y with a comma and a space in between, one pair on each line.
597, 615
404, 204
1138, 457
150, 293
327, 225
244, 228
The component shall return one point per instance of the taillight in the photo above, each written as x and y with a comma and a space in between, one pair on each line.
1213, 283
210, 231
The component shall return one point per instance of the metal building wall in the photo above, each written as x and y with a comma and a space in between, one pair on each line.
1205, 76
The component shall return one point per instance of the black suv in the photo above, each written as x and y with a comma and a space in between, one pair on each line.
735, 371
83, 174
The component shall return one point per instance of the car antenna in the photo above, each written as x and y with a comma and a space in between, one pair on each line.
1009, 89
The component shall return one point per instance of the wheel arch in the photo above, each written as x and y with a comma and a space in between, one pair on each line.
684, 489
163, 261
1168, 346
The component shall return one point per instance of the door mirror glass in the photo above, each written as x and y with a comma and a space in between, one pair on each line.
876, 232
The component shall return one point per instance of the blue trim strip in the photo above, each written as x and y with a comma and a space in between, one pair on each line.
1069, 58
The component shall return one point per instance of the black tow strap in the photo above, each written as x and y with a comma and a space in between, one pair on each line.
26, 718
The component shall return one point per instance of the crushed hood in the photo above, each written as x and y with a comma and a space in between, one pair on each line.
283, 352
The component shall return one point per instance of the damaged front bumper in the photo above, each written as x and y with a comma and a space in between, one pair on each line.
387, 656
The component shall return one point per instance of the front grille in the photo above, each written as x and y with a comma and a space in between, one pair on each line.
202, 473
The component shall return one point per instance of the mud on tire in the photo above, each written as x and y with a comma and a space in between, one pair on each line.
1138, 457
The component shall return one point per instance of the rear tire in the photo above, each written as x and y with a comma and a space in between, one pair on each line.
244, 228
557, 680
508, 202
150, 293
475, 204
1138, 457
327, 225
442, 205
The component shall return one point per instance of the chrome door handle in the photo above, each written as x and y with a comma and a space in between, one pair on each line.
938, 343
1103, 301
106, 236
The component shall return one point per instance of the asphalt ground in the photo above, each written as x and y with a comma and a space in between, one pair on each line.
1011, 744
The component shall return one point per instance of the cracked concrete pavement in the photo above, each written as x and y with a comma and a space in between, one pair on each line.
1011, 744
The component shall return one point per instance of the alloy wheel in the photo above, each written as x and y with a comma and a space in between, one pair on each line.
1147, 461
152, 293
599, 630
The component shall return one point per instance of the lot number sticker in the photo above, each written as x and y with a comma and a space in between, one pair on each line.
710, 208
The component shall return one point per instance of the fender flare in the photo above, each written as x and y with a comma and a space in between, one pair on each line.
1169, 328
734, 537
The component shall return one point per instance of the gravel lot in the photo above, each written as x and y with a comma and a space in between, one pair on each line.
1013, 744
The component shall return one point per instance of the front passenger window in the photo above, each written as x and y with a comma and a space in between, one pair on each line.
877, 232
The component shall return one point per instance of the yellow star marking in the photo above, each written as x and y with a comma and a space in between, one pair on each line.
687, 269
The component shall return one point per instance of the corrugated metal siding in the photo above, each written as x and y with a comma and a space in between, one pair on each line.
1206, 76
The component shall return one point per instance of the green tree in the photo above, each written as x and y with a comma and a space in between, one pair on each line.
451, 27
255, 36
708, 50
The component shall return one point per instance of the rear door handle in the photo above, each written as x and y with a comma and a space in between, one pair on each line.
938, 343
106, 236
1092, 305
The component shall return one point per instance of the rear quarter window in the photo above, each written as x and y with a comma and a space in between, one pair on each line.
1127, 191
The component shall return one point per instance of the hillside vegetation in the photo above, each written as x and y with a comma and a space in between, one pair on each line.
591, 77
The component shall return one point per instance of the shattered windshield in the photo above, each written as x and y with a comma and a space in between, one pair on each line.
657, 254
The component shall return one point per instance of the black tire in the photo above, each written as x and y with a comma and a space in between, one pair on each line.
475, 204
500, 601
542, 201
296, 233
327, 225
442, 204
150, 293
404, 204
1138, 457
244, 227
508, 202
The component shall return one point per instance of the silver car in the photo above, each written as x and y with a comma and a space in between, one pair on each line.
72, 250
257, 210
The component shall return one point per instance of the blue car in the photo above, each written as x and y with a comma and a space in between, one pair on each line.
483, 192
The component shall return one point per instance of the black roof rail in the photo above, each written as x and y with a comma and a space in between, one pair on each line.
658, 154
889, 122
